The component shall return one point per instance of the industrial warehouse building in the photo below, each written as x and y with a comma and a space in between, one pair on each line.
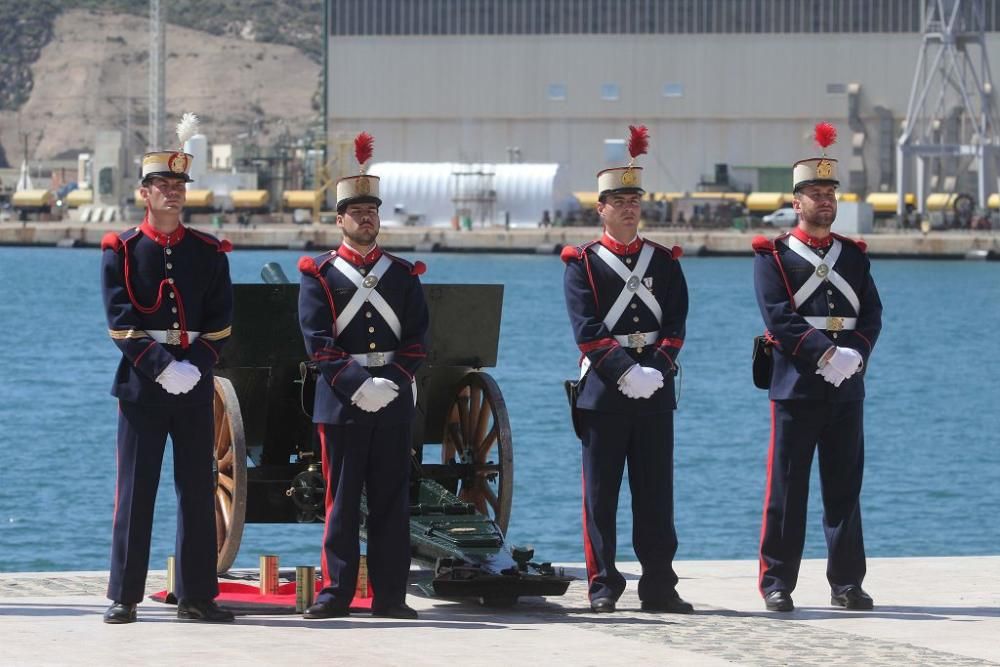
730, 89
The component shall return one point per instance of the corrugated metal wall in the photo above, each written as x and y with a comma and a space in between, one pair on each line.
741, 99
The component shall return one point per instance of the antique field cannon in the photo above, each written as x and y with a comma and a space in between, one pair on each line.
268, 455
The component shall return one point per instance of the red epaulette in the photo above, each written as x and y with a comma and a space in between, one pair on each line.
417, 268
862, 245
572, 252
675, 251
762, 244
220, 246
307, 265
114, 241
111, 241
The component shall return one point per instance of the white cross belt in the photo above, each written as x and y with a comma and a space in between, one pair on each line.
366, 293
633, 285
824, 272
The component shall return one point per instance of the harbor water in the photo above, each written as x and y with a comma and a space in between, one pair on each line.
932, 476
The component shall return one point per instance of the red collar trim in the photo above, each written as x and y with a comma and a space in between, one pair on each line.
621, 248
163, 239
811, 241
356, 258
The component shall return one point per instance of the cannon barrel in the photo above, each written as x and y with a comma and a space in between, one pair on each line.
273, 274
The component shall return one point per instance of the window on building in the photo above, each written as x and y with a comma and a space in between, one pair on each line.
557, 92
610, 92
673, 90
614, 152
106, 181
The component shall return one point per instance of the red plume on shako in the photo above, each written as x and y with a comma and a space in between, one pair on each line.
825, 134
638, 141
364, 147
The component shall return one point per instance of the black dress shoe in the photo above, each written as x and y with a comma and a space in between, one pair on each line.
602, 605
852, 597
120, 612
401, 610
328, 609
779, 601
671, 604
203, 610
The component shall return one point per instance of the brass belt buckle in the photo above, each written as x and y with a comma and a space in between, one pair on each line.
173, 337
376, 359
834, 323
636, 339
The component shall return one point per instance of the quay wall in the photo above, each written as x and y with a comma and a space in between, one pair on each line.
935, 244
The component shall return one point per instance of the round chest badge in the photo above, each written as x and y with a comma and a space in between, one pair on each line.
822, 270
370, 281
632, 284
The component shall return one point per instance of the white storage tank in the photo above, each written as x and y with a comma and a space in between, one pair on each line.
198, 147
481, 194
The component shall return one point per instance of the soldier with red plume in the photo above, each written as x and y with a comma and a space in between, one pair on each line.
364, 319
822, 315
628, 302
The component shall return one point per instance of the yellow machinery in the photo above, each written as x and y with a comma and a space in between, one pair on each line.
884, 203
737, 197
301, 198
77, 198
939, 201
200, 199
249, 199
765, 202
32, 200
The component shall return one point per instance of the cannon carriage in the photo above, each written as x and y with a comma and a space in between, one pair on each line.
268, 456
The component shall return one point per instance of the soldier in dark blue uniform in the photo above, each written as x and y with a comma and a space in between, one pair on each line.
627, 302
168, 298
364, 319
823, 316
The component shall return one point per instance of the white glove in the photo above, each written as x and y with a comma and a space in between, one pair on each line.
374, 394
640, 382
179, 377
831, 374
846, 360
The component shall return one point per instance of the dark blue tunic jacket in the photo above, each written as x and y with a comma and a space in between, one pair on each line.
779, 273
326, 291
591, 287
152, 281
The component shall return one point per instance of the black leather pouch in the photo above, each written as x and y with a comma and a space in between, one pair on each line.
763, 362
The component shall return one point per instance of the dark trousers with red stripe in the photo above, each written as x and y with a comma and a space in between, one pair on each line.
646, 443
374, 458
799, 428
142, 437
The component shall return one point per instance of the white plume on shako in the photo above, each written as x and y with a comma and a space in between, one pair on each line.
187, 127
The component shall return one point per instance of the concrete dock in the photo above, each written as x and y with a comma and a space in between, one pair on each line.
929, 611
935, 244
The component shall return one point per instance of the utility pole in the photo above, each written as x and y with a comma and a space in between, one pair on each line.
157, 77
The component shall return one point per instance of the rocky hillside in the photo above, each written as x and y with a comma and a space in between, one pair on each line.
66, 73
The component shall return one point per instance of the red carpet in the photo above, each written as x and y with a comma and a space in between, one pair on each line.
246, 598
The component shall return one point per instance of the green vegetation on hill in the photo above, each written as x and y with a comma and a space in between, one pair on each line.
26, 27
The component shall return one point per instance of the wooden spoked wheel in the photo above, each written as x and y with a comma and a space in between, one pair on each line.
230, 473
477, 433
